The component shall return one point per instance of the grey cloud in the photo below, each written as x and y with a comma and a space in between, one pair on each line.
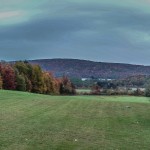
102, 18
40, 29
79, 31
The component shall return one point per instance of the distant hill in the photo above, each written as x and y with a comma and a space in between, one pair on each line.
86, 69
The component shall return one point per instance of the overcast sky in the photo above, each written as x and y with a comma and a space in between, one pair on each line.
99, 30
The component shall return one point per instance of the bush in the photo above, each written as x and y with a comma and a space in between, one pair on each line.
95, 90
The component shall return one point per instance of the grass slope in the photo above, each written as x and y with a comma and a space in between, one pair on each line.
40, 122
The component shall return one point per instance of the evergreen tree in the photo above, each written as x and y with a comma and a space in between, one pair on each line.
37, 80
147, 88
20, 83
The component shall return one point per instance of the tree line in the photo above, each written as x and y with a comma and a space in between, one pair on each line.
22, 76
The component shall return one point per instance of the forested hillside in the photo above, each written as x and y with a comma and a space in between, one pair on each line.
85, 69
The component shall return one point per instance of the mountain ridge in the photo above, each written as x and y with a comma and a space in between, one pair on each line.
86, 68
47, 59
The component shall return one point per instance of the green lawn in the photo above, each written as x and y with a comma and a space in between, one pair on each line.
40, 122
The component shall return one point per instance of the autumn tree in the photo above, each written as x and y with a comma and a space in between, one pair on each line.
66, 87
8, 76
23, 76
1, 82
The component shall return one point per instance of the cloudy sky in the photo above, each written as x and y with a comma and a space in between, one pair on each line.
99, 30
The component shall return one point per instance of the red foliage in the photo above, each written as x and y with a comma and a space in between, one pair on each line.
8, 75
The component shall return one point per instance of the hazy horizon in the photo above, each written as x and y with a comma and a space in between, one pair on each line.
102, 31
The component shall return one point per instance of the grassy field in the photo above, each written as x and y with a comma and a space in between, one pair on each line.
81, 91
40, 122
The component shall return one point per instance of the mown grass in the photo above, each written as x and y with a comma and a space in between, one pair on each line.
40, 122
